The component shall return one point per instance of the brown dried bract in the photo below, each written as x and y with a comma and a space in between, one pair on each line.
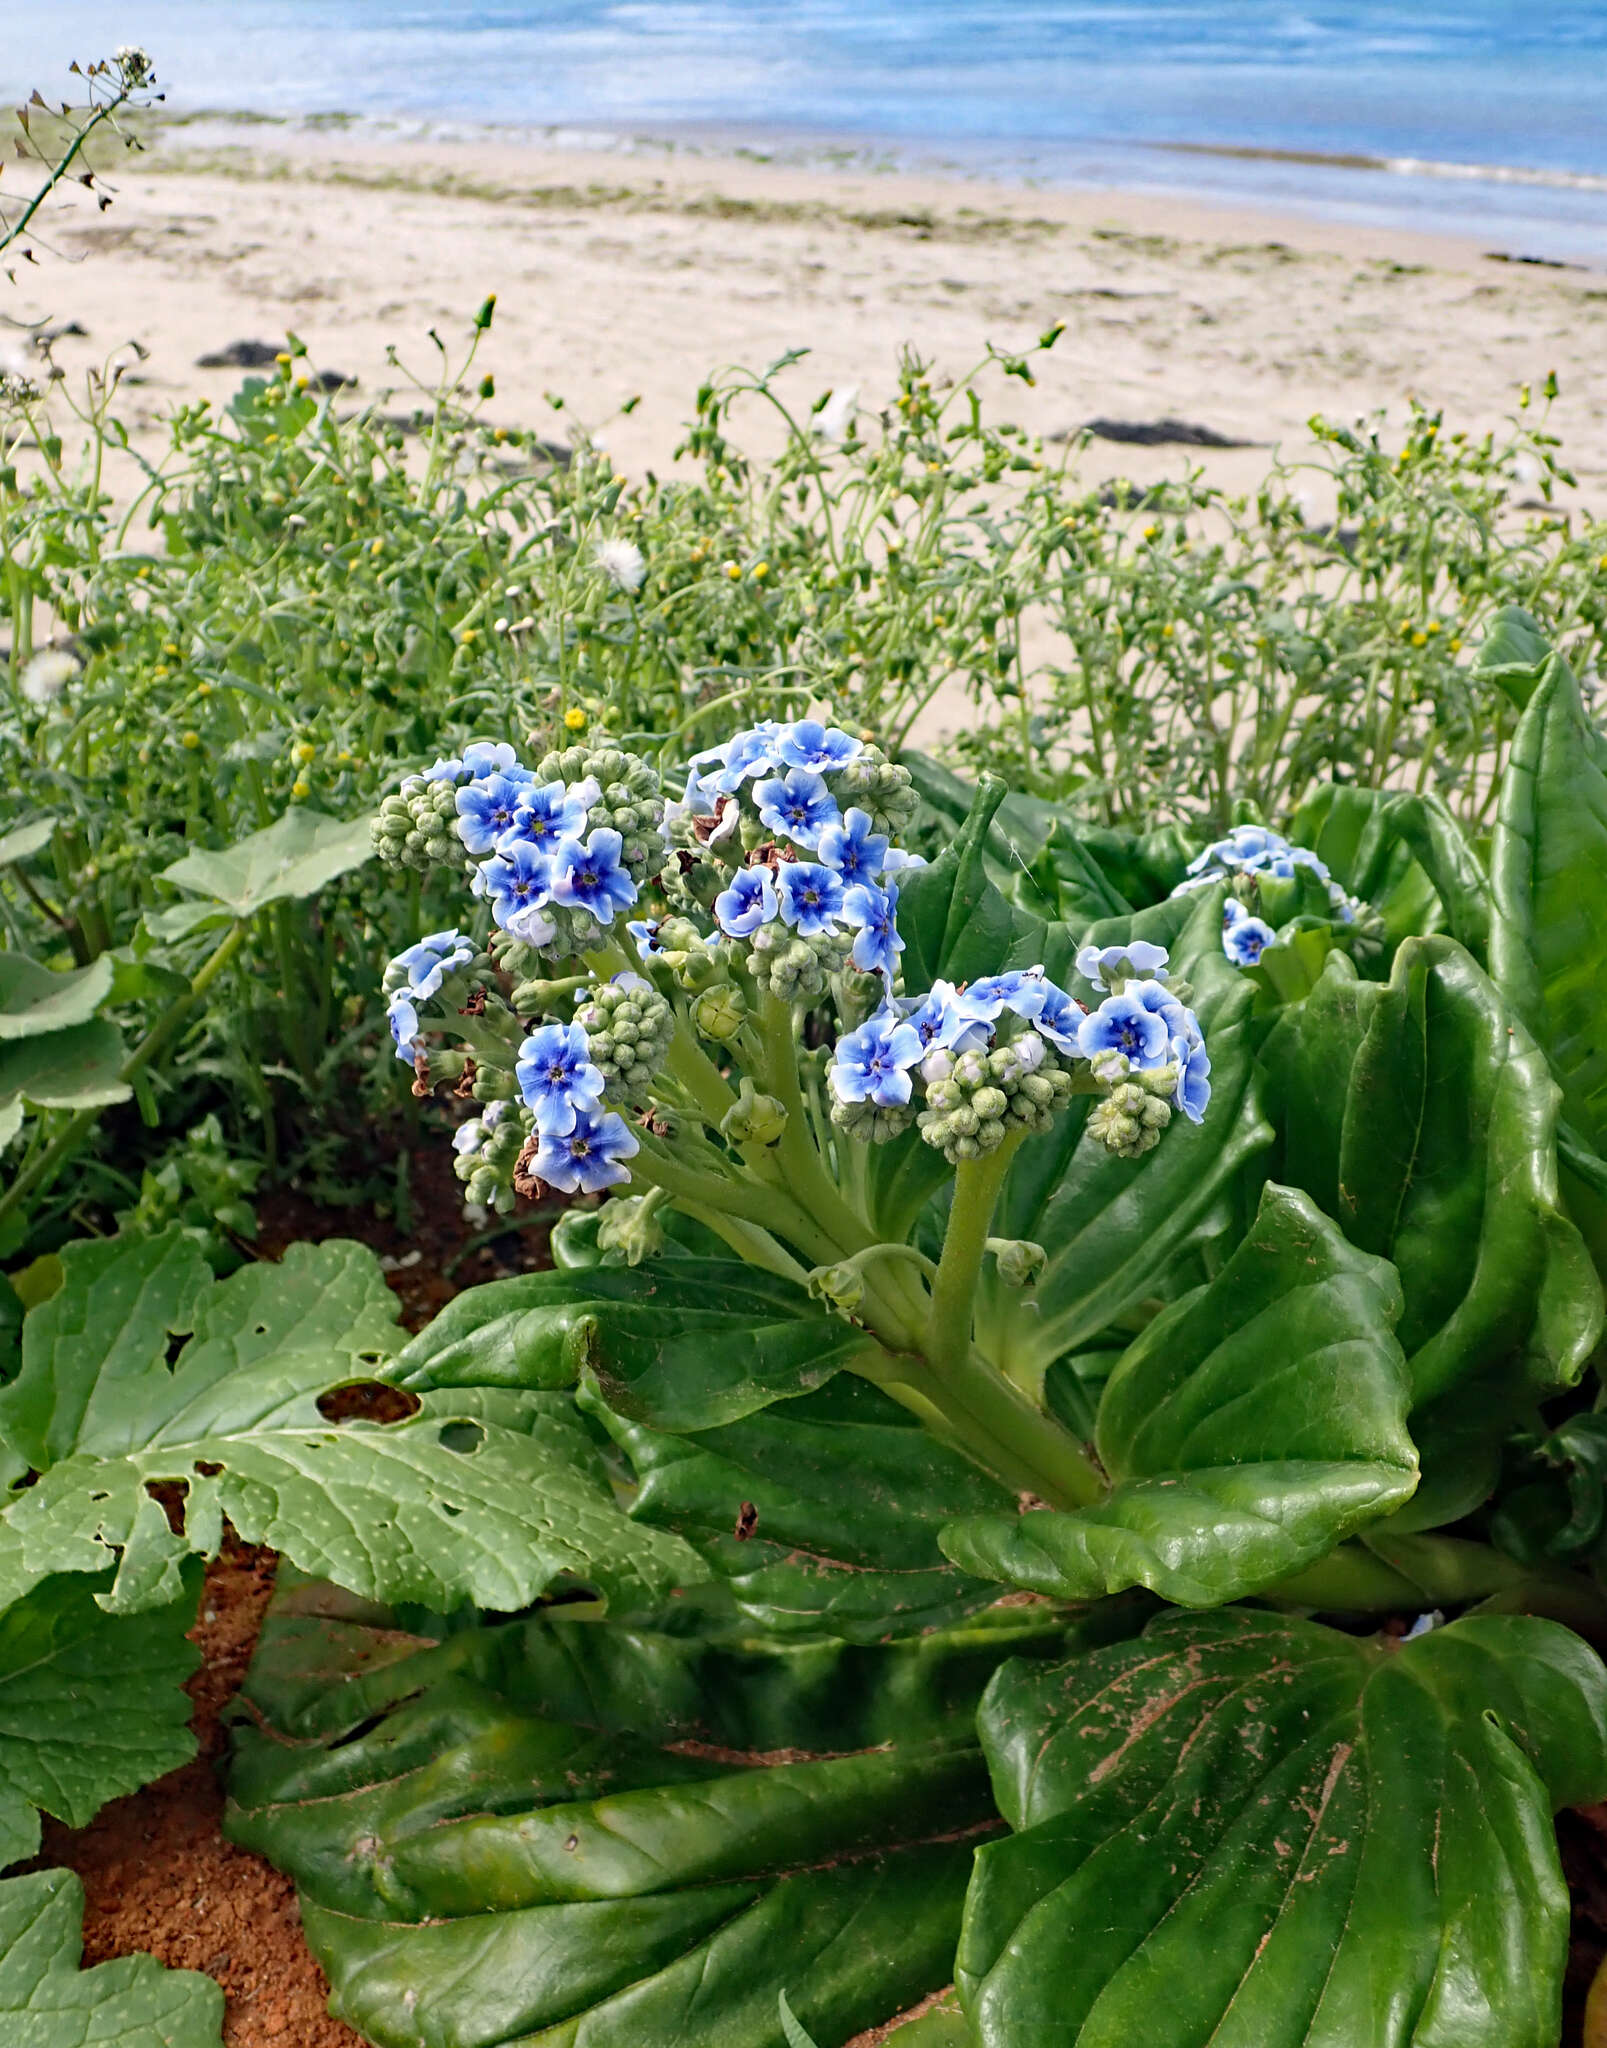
463, 1087
525, 1182
747, 1521
421, 1074
475, 1006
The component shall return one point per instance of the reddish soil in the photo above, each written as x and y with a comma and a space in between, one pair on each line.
159, 1877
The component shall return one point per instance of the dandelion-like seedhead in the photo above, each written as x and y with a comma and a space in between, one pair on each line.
45, 675
624, 927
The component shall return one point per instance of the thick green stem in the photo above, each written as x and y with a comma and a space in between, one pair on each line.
976, 1190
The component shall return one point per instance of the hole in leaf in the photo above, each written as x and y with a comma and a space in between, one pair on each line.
462, 1437
170, 1496
368, 1401
448, 1509
174, 1346
207, 1469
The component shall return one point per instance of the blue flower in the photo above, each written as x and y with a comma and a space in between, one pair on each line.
748, 903
404, 1025
1232, 912
486, 810
1246, 940
872, 1064
551, 812
492, 757
857, 853
898, 857
809, 744
1193, 1090
590, 877
645, 932
1139, 956
938, 1020
1126, 1025
446, 769
516, 879
427, 964
798, 805
744, 755
810, 896
875, 911
1061, 1019
556, 1077
587, 1157
1021, 989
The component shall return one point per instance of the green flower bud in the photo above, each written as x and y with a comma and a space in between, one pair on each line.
795, 968
874, 784
870, 1123
1129, 1121
628, 1027
719, 1012
841, 1287
753, 1119
629, 1225
1018, 1259
417, 826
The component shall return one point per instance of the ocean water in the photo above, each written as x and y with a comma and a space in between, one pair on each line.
1488, 117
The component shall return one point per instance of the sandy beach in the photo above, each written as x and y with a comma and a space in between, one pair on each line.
631, 273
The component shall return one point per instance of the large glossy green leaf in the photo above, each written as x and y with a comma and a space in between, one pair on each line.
91, 1705
1114, 1227
1548, 945
593, 1837
34, 1000
679, 1344
1422, 1117
291, 858
46, 2001
78, 1068
1513, 654
1252, 1426
484, 1493
1260, 1833
820, 1514
1405, 854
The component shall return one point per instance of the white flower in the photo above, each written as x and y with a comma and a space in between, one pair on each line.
621, 562
47, 675
836, 417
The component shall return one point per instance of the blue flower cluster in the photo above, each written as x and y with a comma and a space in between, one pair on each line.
784, 775
581, 1146
414, 977
1245, 856
998, 1053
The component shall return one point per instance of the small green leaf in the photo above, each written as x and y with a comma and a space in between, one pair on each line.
291, 858
1261, 1833
34, 1001
22, 842
46, 2001
79, 1068
91, 1705
1254, 1424
796, 2036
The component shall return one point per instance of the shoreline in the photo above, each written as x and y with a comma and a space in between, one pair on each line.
631, 271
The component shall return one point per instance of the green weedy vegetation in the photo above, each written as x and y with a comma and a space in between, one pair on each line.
941, 1538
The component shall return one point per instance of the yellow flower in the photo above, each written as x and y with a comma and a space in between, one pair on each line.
575, 718
169, 647
283, 359
696, 554
190, 739
1433, 627
1419, 639
304, 751
734, 572
1455, 646
377, 544
344, 757
1168, 631
760, 571
468, 636
160, 670
300, 787
1152, 533
203, 689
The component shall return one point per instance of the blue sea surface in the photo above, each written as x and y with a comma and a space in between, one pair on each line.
1488, 116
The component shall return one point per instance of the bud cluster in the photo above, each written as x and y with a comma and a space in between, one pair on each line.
628, 1027
975, 1100
416, 826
